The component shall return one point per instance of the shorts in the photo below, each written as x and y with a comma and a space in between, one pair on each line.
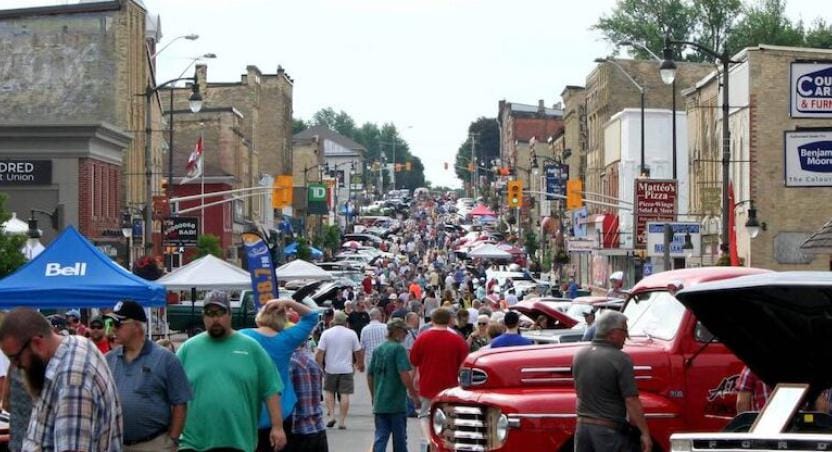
340, 383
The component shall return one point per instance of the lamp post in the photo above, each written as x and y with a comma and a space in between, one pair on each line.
195, 104
641, 92
669, 78
668, 71
127, 232
393, 173
189, 37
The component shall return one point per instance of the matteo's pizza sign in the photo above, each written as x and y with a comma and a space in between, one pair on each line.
25, 172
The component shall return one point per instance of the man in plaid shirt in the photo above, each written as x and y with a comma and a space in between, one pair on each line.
307, 420
752, 392
75, 401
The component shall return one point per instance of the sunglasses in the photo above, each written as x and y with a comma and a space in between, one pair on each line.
96, 327
215, 313
120, 323
482, 323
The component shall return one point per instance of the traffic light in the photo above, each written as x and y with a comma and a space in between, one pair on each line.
574, 198
514, 193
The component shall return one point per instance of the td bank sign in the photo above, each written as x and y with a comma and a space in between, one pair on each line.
316, 199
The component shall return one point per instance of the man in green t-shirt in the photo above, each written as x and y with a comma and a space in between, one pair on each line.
231, 375
390, 382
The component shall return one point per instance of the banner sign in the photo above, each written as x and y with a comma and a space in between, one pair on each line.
655, 239
263, 278
655, 201
316, 199
556, 176
25, 172
808, 157
180, 231
811, 90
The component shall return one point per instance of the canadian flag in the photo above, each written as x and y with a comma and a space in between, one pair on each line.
193, 168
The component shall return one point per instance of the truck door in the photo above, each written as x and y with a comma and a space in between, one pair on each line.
711, 376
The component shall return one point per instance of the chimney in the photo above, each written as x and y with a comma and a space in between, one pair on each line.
202, 78
541, 106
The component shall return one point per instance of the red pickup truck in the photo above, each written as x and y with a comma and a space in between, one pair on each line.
523, 398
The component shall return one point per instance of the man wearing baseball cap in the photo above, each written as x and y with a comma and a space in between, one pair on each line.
617, 286
390, 383
231, 375
151, 383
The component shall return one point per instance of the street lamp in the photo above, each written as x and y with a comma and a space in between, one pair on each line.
641, 92
189, 37
668, 71
127, 232
195, 104
753, 225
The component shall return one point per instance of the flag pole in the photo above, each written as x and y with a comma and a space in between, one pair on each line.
202, 187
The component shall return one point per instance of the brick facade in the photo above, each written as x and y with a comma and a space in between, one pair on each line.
99, 197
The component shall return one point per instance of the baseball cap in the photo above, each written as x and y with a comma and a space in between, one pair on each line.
217, 298
396, 322
97, 320
617, 276
128, 309
511, 318
73, 313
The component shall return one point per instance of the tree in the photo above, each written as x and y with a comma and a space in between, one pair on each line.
10, 256
299, 125
819, 36
646, 22
765, 23
303, 251
487, 148
208, 244
715, 20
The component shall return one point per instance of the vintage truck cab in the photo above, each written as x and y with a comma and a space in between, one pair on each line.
780, 325
523, 398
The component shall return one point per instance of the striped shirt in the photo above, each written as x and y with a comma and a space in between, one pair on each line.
748, 382
372, 336
306, 378
78, 408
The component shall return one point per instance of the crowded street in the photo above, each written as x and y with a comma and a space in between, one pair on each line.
425, 226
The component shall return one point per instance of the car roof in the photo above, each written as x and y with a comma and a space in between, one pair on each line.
692, 276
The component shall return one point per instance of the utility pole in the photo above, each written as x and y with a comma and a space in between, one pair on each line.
473, 165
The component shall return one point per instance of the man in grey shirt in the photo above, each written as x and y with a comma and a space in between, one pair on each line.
151, 383
607, 392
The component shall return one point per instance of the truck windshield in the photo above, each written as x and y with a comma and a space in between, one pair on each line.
654, 314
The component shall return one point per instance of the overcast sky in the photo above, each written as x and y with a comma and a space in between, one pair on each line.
429, 66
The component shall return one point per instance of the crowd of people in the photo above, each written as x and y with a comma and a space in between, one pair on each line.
407, 327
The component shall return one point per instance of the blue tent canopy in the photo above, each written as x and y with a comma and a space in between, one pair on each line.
292, 249
72, 273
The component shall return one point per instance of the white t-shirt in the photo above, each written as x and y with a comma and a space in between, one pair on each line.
338, 344
473, 313
4, 365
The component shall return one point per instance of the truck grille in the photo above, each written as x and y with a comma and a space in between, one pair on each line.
466, 428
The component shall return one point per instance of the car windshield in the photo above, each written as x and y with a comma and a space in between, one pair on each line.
577, 311
654, 314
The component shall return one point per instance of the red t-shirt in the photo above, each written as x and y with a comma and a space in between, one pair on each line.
367, 283
437, 354
103, 345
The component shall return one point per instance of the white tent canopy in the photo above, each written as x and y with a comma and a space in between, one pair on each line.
489, 251
300, 269
14, 226
208, 272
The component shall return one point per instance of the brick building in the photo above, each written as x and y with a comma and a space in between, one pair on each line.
70, 99
760, 124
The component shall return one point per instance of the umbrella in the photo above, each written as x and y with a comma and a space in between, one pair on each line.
351, 244
292, 249
300, 269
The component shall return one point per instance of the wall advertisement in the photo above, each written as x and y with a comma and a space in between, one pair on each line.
808, 158
655, 200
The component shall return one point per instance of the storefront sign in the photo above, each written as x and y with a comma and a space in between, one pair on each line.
808, 157
181, 231
316, 199
580, 245
811, 90
655, 201
556, 177
655, 239
25, 172
579, 219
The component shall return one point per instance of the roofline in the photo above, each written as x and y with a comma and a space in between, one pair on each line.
76, 8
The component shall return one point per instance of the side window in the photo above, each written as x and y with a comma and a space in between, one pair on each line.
702, 334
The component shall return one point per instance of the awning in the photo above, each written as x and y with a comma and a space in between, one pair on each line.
820, 242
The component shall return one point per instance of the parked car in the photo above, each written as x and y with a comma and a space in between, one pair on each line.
560, 327
780, 325
523, 398
186, 317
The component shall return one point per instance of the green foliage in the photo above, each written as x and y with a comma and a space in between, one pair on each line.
10, 256
714, 24
530, 243
378, 140
299, 125
331, 238
208, 244
304, 252
487, 148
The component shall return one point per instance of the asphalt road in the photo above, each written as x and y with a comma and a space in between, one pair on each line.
358, 437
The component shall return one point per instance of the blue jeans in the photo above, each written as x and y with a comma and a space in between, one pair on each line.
387, 423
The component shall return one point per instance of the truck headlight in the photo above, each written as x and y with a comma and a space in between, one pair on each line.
439, 419
501, 428
680, 445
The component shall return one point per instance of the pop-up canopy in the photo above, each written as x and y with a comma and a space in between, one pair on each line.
207, 272
300, 269
72, 273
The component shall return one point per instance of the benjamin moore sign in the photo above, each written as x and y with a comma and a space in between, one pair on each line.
808, 159
811, 90
25, 172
